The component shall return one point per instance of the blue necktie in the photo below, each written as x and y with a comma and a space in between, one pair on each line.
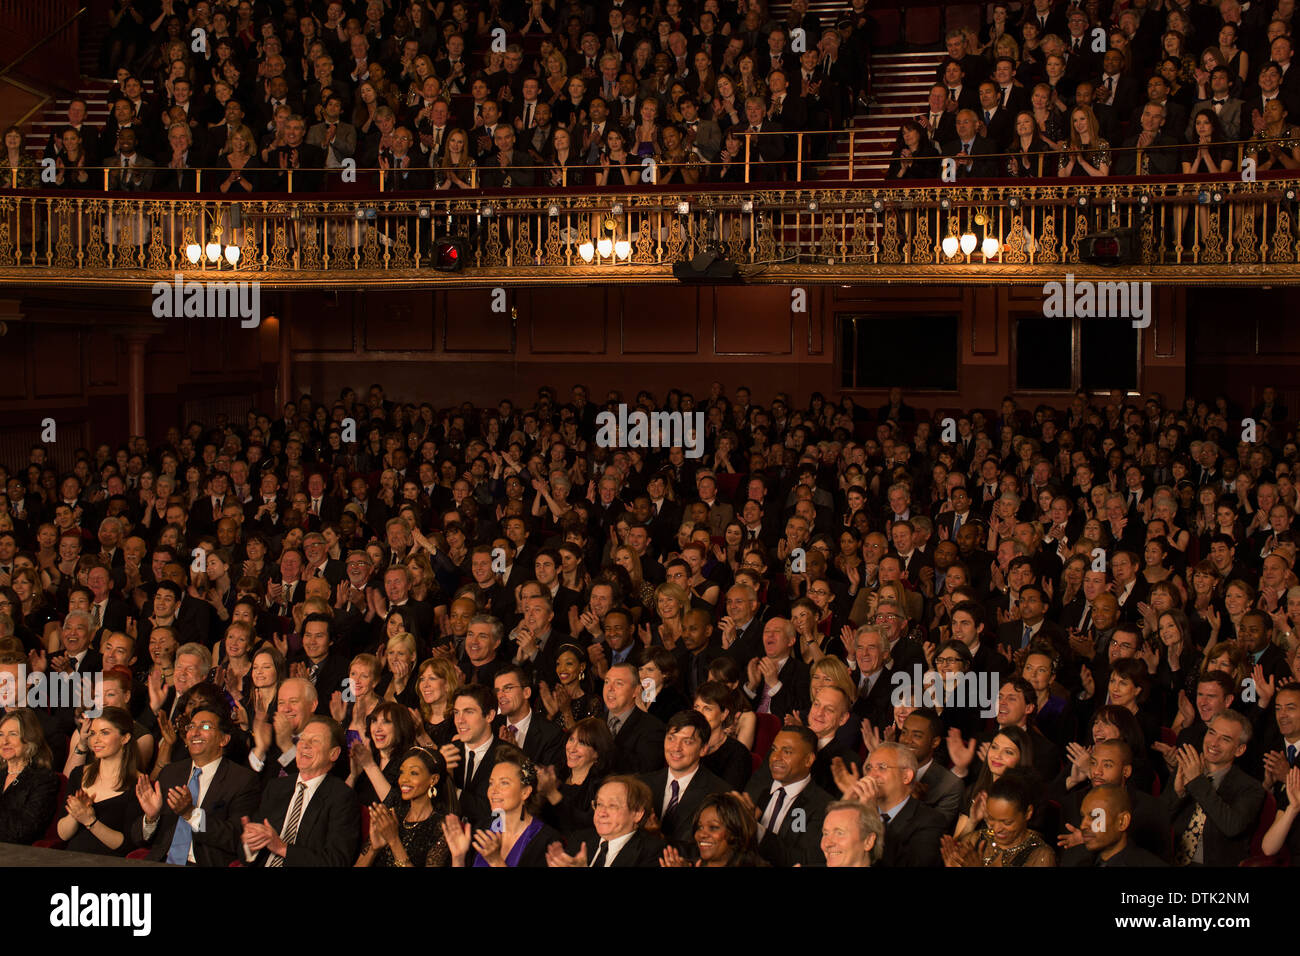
183, 838
1290, 754
1029, 632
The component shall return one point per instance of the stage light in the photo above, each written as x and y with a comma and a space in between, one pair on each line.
877, 206
194, 252
991, 247
587, 251
450, 253
1013, 202
623, 249
552, 210
1082, 201
945, 203
747, 206
616, 209
968, 243
213, 250
950, 245
424, 212
486, 212
812, 206
605, 246
683, 209
232, 255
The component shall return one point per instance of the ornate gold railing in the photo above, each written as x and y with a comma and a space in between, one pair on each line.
1181, 230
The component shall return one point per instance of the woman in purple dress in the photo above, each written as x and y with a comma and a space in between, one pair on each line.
516, 837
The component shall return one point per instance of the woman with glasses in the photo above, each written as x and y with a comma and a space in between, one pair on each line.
948, 678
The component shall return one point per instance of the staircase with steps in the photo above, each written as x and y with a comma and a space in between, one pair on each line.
900, 84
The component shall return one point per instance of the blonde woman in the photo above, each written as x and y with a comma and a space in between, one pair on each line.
399, 660
671, 602
642, 590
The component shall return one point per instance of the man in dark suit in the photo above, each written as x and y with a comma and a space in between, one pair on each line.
1111, 765
742, 629
275, 742
1175, 116
508, 166
1255, 634
912, 829
962, 93
1116, 88
968, 146
999, 123
638, 737
777, 682
313, 818
939, 122
193, 812
1108, 843
1214, 805
623, 804
206, 510
936, 786
1159, 157
1033, 625
328, 672
1045, 18
763, 147
678, 789
875, 685
471, 758
517, 723
788, 803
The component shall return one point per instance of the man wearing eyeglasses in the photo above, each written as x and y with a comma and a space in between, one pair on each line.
902, 652
192, 813
517, 723
912, 829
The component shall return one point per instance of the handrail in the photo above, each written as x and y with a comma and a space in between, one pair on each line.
41, 42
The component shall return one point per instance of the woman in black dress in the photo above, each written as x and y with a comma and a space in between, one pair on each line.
724, 755
915, 156
729, 167
567, 795
1027, 148
390, 731
31, 787
571, 700
406, 829
102, 806
660, 666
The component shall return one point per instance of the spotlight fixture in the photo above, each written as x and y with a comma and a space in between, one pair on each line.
552, 210
747, 206
945, 203
449, 253
968, 242
616, 209
950, 246
486, 212
877, 206
812, 205
1082, 201
1013, 202
683, 208
1289, 195
424, 212
1217, 196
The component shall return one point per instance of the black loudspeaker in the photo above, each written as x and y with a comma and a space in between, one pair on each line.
714, 270
1111, 247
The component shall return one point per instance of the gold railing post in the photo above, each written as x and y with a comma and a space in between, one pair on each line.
748, 139
798, 158
853, 150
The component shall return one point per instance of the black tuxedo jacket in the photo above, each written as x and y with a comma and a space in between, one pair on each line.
793, 695
979, 168
876, 706
474, 804
233, 794
330, 829
544, 742
822, 773
330, 676
939, 789
1131, 855
677, 827
798, 839
946, 129
912, 836
643, 850
639, 744
1231, 814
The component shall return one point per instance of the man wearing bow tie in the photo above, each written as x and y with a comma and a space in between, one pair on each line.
1224, 105
702, 135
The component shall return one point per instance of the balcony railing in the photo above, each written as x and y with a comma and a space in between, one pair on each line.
1182, 229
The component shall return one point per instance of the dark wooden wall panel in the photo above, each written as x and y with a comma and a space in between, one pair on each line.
56, 354
753, 321
576, 324
322, 322
14, 352
661, 321
398, 323
470, 325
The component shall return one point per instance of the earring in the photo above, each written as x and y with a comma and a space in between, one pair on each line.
433, 790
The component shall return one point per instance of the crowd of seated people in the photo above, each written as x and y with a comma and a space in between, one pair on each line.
1123, 89
528, 92
842, 636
